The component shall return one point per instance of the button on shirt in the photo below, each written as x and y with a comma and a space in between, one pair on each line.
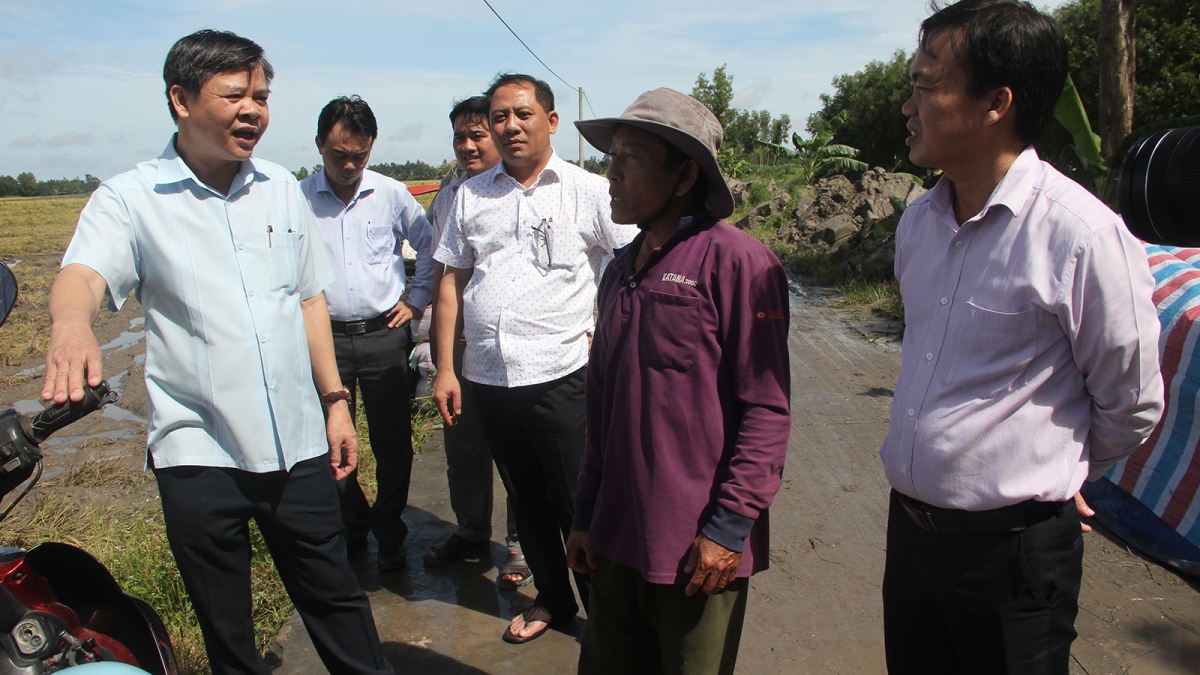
228, 376
364, 239
687, 402
1030, 356
528, 307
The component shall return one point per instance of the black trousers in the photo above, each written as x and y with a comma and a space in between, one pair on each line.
958, 602
378, 364
469, 470
207, 510
537, 434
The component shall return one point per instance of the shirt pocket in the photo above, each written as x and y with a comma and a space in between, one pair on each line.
567, 245
380, 244
669, 334
991, 351
284, 256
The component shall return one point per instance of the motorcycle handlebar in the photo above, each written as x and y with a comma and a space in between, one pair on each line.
59, 415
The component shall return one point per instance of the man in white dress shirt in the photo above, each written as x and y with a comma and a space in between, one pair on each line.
364, 218
468, 458
223, 254
522, 248
1030, 359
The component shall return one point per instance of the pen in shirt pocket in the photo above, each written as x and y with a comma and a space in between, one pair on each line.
270, 231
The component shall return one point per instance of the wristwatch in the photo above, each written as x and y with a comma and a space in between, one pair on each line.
332, 397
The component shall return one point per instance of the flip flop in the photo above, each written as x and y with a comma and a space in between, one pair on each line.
514, 564
531, 614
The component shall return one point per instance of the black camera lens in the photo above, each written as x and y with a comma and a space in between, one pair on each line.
1159, 191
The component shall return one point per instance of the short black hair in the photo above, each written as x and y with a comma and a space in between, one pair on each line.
476, 107
354, 114
1007, 43
541, 91
197, 57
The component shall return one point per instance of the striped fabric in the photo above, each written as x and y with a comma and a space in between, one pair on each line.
1164, 473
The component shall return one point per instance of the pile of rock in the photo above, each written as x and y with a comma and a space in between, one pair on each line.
838, 218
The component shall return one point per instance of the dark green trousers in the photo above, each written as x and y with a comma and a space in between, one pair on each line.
634, 626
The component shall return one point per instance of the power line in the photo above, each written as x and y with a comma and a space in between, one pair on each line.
539, 59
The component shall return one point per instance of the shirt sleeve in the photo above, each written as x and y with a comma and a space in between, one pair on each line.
413, 226
105, 242
754, 337
454, 250
315, 267
1113, 328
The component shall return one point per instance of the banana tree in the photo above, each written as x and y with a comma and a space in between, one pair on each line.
818, 155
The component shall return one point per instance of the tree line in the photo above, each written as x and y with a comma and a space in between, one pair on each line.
27, 185
1165, 62
864, 115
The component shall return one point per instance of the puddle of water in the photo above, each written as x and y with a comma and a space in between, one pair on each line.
113, 412
28, 407
114, 382
62, 444
140, 359
32, 371
124, 341
140, 321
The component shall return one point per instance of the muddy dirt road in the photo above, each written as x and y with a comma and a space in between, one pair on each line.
817, 610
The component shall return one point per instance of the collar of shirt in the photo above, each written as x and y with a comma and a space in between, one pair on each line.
172, 169
688, 225
552, 173
1012, 192
366, 185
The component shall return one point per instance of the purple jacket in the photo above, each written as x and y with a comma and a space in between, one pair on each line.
688, 402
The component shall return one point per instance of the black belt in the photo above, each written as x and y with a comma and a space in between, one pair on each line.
359, 327
1015, 518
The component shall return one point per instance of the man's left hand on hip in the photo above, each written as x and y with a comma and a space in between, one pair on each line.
401, 314
712, 566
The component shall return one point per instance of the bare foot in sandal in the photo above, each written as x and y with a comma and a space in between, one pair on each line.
528, 625
515, 574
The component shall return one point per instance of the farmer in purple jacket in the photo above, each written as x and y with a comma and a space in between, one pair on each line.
687, 404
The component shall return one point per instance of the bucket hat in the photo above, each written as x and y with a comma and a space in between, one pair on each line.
679, 120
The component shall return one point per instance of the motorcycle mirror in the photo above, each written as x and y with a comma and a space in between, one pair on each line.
8, 291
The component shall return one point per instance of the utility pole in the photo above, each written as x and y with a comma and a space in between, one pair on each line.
581, 135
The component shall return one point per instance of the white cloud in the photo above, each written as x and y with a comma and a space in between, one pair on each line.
25, 142
69, 138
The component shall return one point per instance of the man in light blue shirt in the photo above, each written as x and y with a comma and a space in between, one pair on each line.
363, 219
222, 252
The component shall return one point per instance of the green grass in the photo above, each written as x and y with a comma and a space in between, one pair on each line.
34, 230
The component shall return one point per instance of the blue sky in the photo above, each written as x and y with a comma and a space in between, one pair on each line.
81, 88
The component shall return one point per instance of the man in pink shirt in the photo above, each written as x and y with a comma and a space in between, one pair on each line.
1030, 357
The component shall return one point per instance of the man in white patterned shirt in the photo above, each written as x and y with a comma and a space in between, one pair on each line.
1030, 358
468, 458
363, 218
522, 249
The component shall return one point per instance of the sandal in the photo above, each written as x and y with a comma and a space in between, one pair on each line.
530, 615
454, 549
514, 565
